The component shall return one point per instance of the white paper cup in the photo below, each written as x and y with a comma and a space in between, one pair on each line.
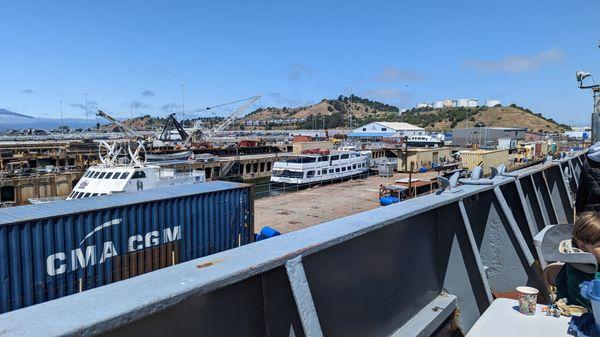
527, 300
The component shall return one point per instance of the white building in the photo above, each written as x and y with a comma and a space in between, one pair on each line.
461, 103
492, 102
377, 130
473, 103
448, 103
438, 104
424, 105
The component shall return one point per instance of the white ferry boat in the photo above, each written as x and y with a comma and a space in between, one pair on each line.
312, 168
424, 141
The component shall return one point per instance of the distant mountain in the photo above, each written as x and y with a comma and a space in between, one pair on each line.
4, 112
13, 120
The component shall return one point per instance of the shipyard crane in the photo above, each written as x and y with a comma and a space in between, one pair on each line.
126, 130
170, 124
210, 134
116, 149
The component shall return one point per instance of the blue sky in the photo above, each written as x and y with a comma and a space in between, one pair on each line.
124, 53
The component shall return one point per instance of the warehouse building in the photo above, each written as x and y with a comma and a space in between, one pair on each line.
485, 137
376, 131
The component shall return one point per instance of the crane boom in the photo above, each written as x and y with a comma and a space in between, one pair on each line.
126, 130
210, 134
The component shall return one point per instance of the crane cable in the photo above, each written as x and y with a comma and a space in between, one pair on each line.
218, 105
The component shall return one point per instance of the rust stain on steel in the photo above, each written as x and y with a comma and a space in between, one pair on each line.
208, 264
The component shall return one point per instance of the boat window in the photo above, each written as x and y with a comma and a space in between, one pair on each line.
345, 156
116, 176
323, 158
88, 173
337, 170
124, 175
94, 194
109, 175
348, 168
336, 157
310, 174
343, 169
330, 170
101, 176
138, 175
86, 195
324, 171
354, 167
96, 173
288, 174
301, 160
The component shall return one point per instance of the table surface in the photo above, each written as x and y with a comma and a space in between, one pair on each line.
503, 318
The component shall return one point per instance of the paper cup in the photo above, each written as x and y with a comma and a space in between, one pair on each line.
527, 300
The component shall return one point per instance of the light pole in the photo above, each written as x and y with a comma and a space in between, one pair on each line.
581, 76
86, 110
62, 123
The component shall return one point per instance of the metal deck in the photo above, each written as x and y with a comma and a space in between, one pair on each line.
398, 270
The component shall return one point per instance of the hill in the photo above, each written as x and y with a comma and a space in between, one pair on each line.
498, 116
4, 112
330, 113
360, 107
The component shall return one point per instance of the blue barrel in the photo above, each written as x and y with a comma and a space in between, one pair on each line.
268, 232
388, 200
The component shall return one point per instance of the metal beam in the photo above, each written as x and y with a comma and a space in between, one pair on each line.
303, 297
540, 201
480, 267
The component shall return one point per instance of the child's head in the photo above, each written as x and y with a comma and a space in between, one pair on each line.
587, 233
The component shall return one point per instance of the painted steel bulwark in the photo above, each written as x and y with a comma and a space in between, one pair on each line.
52, 250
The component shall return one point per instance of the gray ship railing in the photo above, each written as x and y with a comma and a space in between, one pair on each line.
402, 270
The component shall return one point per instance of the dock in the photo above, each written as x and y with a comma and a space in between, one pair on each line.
292, 211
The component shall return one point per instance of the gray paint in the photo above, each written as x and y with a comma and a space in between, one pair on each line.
304, 302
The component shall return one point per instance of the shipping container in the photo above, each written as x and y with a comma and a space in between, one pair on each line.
61, 248
485, 159
299, 147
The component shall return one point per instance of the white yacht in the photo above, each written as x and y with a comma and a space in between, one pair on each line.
424, 141
103, 180
116, 175
311, 168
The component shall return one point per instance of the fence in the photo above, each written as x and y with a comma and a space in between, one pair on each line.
402, 270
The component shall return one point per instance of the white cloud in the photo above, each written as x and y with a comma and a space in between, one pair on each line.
148, 93
518, 63
395, 74
296, 71
389, 94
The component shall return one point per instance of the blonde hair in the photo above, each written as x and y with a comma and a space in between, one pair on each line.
587, 227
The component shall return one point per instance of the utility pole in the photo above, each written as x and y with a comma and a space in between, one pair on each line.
595, 122
62, 123
86, 109
350, 110
183, 103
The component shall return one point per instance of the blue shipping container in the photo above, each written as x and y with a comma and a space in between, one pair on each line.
61, 248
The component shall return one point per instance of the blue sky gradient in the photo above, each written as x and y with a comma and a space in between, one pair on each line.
139, 53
